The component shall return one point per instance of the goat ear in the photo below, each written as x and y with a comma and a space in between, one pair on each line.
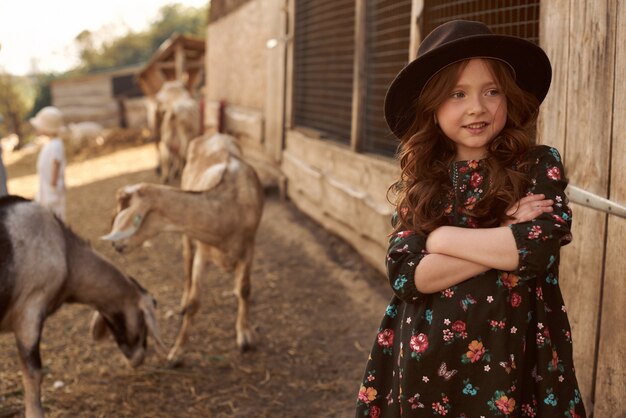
98, 327
147, 305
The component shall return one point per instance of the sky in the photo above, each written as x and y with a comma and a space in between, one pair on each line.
39, 34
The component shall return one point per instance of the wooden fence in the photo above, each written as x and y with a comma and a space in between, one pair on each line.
584, 117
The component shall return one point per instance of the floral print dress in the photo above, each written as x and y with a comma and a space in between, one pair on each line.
498, 344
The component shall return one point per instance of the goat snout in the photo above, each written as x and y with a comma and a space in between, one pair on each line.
118, 247
137, 359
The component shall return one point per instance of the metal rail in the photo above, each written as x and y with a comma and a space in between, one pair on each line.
590, 200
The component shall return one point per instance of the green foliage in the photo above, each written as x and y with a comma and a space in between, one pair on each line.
43, 93
16, 97
137, 47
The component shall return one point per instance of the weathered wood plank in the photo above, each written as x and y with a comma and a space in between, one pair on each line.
587, 123
275, 97
359, 87
554, 27
611, 365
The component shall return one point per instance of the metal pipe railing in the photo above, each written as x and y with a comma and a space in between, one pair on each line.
590, 200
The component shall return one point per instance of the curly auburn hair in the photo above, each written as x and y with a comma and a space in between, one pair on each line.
426, 154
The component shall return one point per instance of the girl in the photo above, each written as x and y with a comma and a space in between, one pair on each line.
477, 326
51, 160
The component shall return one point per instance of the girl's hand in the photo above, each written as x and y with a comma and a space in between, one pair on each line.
528, 208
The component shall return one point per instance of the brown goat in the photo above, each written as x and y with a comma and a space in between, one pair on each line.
218, 210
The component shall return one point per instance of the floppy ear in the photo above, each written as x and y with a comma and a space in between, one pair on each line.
98, 327
147, 305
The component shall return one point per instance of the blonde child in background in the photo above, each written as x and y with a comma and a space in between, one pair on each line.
51, 161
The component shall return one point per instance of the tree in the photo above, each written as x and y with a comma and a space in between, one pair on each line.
137, 47
14, 103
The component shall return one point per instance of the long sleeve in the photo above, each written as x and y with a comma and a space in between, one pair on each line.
406, 250
539, 241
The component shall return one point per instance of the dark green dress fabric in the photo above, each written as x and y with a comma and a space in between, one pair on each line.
498, 344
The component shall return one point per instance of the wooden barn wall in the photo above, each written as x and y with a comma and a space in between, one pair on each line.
342, 190
86, 99
241, 73
581, 117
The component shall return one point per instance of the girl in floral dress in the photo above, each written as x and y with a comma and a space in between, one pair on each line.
477, 326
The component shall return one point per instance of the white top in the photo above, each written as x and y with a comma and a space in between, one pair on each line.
48, 196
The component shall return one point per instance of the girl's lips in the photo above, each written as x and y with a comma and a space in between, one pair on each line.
476, 128
477, 125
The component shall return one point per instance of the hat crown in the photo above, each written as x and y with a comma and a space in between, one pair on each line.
49, 119
450, 32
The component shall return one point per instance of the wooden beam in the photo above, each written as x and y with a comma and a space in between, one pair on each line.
359, 84
611, 365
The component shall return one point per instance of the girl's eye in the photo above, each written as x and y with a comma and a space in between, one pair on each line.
493, 92
457, 95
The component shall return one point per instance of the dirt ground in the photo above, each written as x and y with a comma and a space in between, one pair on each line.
315, 306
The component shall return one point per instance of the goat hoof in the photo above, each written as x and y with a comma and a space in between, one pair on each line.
246, 347
245, 341
175, 362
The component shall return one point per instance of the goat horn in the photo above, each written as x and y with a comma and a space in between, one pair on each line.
118, 235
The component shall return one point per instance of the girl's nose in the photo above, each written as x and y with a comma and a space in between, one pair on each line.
475, 106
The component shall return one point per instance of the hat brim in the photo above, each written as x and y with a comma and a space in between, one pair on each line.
530, 63
42, 126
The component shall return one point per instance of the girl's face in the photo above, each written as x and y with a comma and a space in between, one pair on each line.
474, 112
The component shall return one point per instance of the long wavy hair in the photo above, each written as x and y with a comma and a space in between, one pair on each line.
425, 155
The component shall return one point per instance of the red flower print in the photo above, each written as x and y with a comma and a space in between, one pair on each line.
458, 326
516, 300
419, 343
367, 395
385, 338
403, 234
509, 280
505, 404
476, 180
534, 232
476, 351
554, 173
374, 412
470, 202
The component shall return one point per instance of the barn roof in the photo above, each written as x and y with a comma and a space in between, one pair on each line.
180, 57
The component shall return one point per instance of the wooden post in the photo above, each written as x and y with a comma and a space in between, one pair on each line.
580, 40
179, 60
359, 84
274, 128
417, 8
291, 22
611, 364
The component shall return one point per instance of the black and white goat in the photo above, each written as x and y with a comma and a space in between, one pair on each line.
44, 265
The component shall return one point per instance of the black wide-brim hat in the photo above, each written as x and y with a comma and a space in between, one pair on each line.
456, 41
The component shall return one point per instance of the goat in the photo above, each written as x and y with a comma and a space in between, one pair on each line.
178, 116
43, 265
218, 210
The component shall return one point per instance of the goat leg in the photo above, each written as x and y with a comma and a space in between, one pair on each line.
245, 336
188, 252
27, 339
192, 303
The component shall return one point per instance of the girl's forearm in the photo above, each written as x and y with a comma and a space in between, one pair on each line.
491, 247
437, 272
